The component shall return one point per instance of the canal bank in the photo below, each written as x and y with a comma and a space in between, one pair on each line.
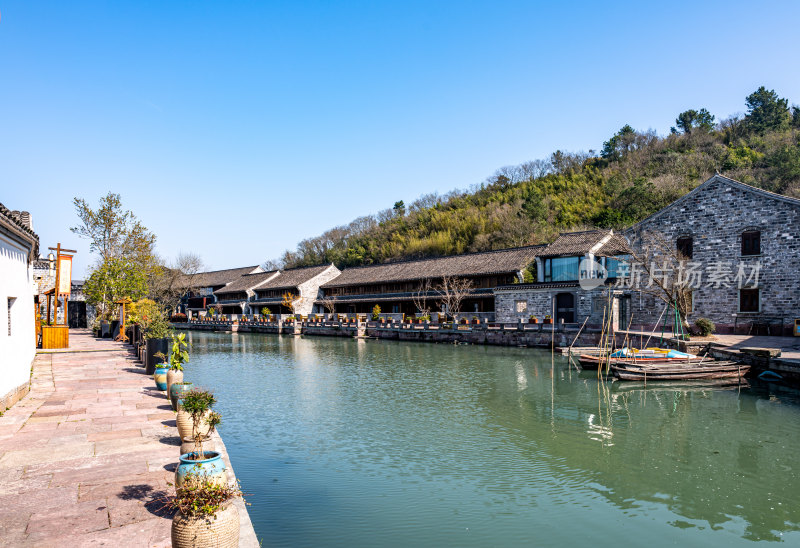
528, 335
86, 457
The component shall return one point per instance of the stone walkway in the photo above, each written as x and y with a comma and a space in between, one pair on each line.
86, 456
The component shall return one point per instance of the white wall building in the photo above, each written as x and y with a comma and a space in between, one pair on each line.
19, 247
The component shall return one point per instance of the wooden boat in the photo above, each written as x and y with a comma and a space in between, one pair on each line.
591, 362
678, 371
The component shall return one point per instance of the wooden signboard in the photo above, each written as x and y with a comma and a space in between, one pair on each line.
65, 275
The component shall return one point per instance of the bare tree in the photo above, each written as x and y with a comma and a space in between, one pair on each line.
452, 291
172, 281
420, 297
273, 264
664, 271
329, 303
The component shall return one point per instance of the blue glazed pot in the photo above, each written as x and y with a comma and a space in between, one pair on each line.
212, 467
160, 376
176, 392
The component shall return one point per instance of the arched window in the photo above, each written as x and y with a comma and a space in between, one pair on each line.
685, 246
751, 242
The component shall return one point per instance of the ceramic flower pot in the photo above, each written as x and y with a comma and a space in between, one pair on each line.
221, 531
173, 376
184, 422
176, 392
160, 376
211, 466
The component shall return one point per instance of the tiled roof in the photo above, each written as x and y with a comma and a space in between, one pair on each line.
220, 277
245, 282
580, 243
294, 277
19, 223
432, 296
503, 261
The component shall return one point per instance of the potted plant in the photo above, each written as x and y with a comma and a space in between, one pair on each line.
177, 358
197, 404
155, 332
205, 515
533, 319
476, 320
548, 319
160, 371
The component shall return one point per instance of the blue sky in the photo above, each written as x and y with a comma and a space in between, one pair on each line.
235, 129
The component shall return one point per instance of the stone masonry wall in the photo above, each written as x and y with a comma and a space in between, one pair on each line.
715, 217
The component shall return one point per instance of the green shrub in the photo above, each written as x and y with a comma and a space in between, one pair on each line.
704, 326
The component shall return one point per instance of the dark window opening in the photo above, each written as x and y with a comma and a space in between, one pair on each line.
685, 247
751, 243
748, 300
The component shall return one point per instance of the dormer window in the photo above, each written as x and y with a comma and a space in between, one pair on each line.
685, 246
751, 243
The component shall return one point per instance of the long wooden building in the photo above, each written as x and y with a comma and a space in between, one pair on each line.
399, 286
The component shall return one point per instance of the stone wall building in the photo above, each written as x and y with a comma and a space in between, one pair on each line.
569, 284
19, 247
745, 242
740, 244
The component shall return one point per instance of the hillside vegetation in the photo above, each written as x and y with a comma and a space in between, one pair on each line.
635, 174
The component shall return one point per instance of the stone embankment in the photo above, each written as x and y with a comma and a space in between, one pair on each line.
86, 456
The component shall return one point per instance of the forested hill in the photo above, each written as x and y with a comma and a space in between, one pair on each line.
635, 174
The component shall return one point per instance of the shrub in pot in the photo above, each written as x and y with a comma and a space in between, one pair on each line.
205, 514
194, 412
177, 358
198, 404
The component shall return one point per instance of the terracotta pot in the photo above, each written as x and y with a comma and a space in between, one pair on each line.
187, 445
222, 531
184, 422
173, 376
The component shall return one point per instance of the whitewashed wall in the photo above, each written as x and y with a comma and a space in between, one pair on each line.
17, 350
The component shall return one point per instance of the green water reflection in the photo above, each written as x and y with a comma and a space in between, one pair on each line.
358, 443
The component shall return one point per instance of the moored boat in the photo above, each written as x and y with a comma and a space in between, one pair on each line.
678, 371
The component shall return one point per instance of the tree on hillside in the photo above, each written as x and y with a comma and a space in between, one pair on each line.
690, 120
796, 116
766, 111
399, 208
620, 143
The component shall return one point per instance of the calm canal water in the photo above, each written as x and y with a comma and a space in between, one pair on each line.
345, 442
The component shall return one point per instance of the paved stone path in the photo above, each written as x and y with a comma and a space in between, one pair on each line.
87, 454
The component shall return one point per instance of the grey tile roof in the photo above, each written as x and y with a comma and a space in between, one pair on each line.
19, 223
245, 282
503, 261
293, 277
569, 244
220, 277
